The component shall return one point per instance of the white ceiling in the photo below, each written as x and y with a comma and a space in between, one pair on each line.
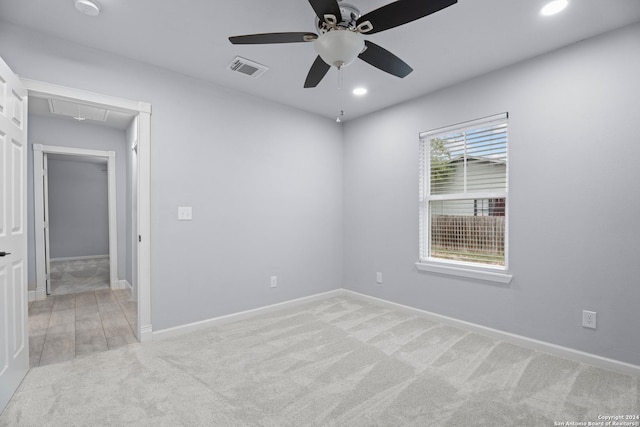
465, 40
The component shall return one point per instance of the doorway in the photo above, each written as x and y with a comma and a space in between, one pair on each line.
77, 218
75, 229
140, 138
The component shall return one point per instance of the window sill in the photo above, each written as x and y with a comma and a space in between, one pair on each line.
463, 271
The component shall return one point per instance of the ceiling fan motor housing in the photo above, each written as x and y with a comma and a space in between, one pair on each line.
349, 16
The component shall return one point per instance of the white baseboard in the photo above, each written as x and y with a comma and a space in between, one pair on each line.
79, 258
36, 295
191, 327
146, 334
542, 346
120, 284
128, 286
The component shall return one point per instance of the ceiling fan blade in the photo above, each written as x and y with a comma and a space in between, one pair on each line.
326, 7
384, 60
268, 38
402, 12
317, 72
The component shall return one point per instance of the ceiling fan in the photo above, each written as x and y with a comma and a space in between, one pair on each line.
341, 27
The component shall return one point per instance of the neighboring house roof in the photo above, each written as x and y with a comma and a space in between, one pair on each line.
480, 159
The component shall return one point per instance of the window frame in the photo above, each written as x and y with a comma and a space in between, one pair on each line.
494, 273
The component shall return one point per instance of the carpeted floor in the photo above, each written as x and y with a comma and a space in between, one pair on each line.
337, 362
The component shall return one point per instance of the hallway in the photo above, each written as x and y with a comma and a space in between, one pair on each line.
79, 275
64, 327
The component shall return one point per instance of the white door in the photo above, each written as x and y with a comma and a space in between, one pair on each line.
14, 341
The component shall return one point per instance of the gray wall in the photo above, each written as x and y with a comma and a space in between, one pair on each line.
273, 189
574, 198
69, 133
78, 208
264, 181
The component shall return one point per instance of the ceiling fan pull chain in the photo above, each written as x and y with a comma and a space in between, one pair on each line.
341, 113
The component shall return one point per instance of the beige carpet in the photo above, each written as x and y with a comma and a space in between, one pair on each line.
338, 362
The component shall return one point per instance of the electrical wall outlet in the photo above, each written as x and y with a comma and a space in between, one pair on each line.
185, 213
589, 319
274, 281
378, 277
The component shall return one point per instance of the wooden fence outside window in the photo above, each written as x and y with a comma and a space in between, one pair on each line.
468, 238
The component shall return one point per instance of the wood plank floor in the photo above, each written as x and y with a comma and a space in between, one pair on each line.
63, 327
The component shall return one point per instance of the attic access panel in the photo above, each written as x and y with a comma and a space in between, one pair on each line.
77, 111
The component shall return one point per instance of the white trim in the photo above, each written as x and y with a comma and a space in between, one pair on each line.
124, 284
143, 284
40, 89
127, 286
467, 196
70, 151
145, 333
39, 151
460, 127
470, 272
79, 258
533, 344
39, 229
113, 218
118, 284
36, 295
221, 320
47, 218
143, 112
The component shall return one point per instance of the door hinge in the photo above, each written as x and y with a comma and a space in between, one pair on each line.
139, 238
47, 276
46, 224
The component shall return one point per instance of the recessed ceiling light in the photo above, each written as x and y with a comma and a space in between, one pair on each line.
359, 91
88, 7
553, 7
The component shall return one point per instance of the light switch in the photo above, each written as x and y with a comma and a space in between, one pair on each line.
185, 213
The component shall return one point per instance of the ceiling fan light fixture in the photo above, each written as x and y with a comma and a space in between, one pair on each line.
553, 7
88, 7
339, 47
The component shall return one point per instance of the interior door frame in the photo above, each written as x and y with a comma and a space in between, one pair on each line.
41, 197
141, 110
45, 199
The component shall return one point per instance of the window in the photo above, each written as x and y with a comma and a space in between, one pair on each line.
488, 207
463, 195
